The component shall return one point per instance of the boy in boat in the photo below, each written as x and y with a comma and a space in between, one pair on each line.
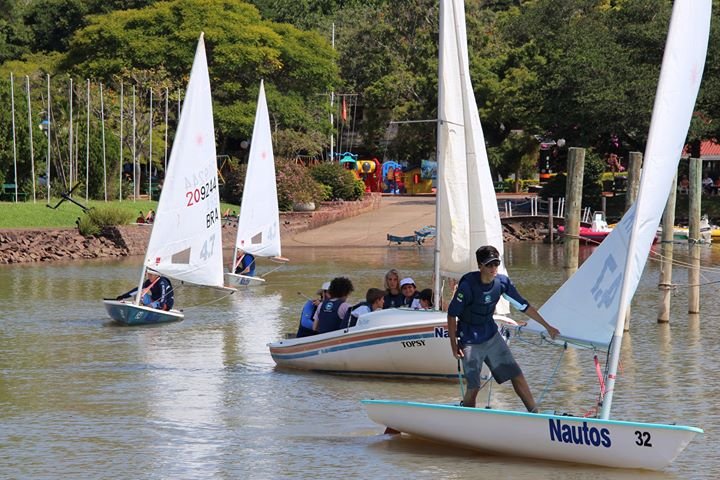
331, 312
374, 300
409, 290
245, 264
426, 299
157, 292
305, 329
475, 338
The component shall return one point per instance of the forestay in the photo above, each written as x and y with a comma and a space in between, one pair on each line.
186, 241
588, 308
467, 212
259, 222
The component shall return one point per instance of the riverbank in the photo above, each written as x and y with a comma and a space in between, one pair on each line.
57, 244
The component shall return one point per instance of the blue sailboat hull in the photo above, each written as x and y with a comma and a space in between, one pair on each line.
131, 314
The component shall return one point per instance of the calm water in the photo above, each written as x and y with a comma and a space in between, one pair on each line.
82, 398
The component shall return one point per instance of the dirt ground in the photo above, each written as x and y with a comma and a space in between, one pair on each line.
397, 215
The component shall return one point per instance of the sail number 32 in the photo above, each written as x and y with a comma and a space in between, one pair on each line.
642, 439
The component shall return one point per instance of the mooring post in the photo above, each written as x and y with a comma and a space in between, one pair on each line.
574, 186
694, 235
631, 192
550, 221
633, 178
665, 285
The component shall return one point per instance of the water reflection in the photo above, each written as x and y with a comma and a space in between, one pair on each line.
80, 397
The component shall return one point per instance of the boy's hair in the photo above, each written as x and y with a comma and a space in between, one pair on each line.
373, 295
340, 287
427, 295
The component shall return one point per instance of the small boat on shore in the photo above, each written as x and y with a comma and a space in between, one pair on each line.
595, 233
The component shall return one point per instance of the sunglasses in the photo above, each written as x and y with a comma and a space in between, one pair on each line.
493, 264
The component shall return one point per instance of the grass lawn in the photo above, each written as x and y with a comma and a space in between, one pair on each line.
38, 215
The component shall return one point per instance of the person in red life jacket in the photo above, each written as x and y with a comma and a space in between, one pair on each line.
393, 296
157, 292
305, 329
140, 218
331, 312
475, 338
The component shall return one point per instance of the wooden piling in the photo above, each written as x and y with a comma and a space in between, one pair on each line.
694, 235
665, 285
631, 193
633, 178
573, 193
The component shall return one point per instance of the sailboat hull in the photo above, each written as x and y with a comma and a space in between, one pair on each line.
235, 280
392, 342
608, 443
131, 314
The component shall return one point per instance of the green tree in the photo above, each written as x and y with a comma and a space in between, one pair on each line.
242, 48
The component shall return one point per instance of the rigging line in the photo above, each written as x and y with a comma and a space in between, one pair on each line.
552, 376
211, 301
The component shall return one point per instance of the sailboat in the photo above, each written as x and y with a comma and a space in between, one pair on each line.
186, 240
590, 308
408, 343
258, 231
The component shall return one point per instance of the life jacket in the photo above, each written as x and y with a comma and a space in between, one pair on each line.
328, 318
393, 301
351, 318
411, 302
485, 297
306, 317
306, 320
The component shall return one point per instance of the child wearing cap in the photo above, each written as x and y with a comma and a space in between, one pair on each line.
474, 335
411, 298
305, 328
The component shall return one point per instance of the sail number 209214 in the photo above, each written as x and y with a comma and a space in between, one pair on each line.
200, 193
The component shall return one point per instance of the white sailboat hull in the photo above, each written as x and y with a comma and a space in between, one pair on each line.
128, 313
236, 280
392, 342
608, 443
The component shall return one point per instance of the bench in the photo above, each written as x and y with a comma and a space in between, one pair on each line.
8, 191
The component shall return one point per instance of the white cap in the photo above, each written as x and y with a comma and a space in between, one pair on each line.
325, 286
406, 281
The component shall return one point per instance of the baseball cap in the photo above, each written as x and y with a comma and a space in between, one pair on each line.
325, 286
490, 259
487, 254
406, 281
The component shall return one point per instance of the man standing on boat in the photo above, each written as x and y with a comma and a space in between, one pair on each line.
474, 336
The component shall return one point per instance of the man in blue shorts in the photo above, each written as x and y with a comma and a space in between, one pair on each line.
474, 336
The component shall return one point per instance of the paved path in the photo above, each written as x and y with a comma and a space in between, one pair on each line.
396, 215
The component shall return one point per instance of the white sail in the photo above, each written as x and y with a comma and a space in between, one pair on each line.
186, 241
259, 222
467, 216
587, 307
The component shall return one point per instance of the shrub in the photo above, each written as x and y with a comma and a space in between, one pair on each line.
93, 220
87, 227
295, 185
343, 183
